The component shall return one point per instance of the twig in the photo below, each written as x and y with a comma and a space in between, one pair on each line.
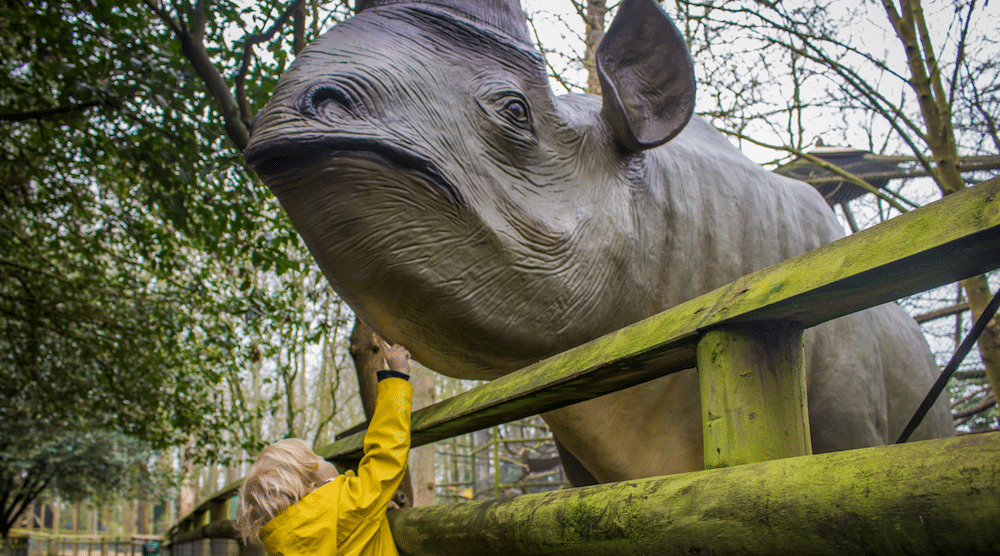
825, 165
248, 44
988, 402
38, 114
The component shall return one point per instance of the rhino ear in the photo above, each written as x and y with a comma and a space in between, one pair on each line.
647, 78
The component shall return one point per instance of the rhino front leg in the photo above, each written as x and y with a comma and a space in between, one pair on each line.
644, 431
574, 470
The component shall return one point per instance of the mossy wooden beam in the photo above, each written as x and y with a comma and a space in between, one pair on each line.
194, 519
951, 239
931, 246
224, 529
753, 393
932, 497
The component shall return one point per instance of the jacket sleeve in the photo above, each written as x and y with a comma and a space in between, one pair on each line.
365, 497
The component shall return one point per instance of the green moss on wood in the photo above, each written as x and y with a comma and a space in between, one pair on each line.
933, 497
753, 393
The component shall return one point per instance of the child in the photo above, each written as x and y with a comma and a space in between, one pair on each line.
295, 503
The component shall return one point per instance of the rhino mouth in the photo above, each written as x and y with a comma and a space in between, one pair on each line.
272, 160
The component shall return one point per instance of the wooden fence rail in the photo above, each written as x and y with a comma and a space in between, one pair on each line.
930, 497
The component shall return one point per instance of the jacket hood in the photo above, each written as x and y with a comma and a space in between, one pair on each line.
307, 527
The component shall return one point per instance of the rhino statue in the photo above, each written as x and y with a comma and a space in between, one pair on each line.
465, 211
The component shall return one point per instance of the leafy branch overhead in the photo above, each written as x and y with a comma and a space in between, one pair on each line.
232, 102
142, 271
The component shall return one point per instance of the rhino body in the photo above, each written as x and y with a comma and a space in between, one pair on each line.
464, 211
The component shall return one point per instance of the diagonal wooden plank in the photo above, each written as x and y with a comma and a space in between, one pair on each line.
943, 242
952, 239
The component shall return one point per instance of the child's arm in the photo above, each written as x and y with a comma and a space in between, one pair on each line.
387, 442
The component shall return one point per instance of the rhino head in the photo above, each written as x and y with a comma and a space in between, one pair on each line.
456, 204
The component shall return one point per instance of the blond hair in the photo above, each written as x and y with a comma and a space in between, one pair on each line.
283, 473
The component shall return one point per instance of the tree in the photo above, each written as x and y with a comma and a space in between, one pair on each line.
74, 464
137, 256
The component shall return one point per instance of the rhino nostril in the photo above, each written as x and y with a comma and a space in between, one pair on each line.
313, 100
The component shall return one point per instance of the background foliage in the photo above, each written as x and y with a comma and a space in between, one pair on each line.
151, 291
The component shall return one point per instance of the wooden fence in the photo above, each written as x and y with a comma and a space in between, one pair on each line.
756, 497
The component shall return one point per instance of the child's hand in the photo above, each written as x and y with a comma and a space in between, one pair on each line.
396, 357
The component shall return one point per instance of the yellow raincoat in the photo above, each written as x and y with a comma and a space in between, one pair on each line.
346, 516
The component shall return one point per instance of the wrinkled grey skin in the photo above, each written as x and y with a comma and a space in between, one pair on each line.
464, 211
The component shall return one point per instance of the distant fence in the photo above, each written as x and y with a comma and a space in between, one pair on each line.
34, 542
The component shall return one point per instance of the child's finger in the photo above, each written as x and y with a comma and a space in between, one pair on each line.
385, 348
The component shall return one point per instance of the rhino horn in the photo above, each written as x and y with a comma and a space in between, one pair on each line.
503, 15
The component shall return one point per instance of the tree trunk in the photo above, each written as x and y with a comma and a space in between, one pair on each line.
128, 517
935, 107
978, 292
145, 518
188, 491
421, 467
482, 448
211, 482
367, 356
594, 19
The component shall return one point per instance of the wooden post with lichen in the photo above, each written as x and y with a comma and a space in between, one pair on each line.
753, 393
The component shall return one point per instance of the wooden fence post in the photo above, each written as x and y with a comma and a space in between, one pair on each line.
54, 548
218, 510
753, 393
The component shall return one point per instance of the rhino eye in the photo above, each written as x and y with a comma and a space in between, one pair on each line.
329, 94
313, 99
516, 110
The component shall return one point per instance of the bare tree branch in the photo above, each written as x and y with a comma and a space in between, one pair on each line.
986, 403
970, 375
966, 164
941, 313
880, 193
193, 48
960, 55
244, 105
552, 71
39, 114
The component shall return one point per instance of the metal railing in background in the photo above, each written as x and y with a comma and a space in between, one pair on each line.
40, 542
